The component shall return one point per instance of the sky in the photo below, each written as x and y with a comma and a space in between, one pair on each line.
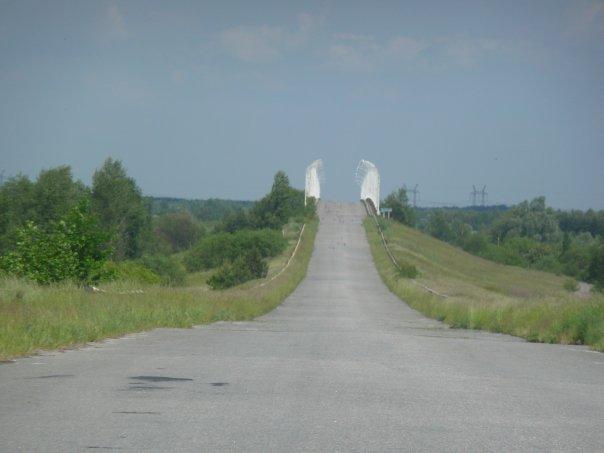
207, 99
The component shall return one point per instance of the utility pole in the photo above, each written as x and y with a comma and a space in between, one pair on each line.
1, 177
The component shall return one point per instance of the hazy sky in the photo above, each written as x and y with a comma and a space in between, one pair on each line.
209, 99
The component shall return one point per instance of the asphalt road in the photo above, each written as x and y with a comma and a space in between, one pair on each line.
341, 365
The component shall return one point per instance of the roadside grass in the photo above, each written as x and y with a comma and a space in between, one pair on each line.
483, 294
34, 317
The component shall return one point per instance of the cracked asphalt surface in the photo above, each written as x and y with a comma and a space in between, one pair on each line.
341, 365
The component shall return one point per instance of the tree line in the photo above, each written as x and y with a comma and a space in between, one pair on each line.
529, 234
56, 228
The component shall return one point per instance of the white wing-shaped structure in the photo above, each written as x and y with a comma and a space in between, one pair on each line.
314, 178
368, 178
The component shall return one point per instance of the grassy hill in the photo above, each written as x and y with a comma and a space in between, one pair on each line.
481, 294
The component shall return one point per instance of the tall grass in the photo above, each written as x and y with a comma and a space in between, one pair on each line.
34, 317
485, 295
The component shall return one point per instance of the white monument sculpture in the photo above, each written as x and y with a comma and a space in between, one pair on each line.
314, 178
368, 178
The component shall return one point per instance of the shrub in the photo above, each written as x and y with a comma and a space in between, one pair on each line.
171, 272
399, 203
570, 285
595, 273
407, 270
216, 249
279, 205
40, 256
242, 269
179, 229
73, 248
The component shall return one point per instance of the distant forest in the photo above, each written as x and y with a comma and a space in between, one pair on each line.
204, 210
529, 234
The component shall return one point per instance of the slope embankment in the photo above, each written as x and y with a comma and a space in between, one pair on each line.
466, 291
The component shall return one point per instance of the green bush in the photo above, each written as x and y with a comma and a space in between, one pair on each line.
570, 285
216, 249
407, 270
73, 248
179, 229
596, 267
242, 269
171, 271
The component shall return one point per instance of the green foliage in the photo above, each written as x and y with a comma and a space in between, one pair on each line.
529, 234
576, 221
571, 285
243, 268
476, 243
576, 253
205, 210
72, 248
16, 207
279, 205
235, 221
439, 227
521, 251
128, 271
87, 240
120, 206
43, 202
41, 256
530, 220
170, 270
596, 267
399, 203
214, 250
54, 194
407, 270
178, 229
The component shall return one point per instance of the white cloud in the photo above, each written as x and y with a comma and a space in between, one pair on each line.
406, 48
266, 43
364, 52
116, 27
467, 51
253, 44
353, 51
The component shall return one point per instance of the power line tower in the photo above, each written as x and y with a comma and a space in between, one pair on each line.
414, 192
474, 195
483, 195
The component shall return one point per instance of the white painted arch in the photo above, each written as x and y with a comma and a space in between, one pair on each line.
314, 178
368, 178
